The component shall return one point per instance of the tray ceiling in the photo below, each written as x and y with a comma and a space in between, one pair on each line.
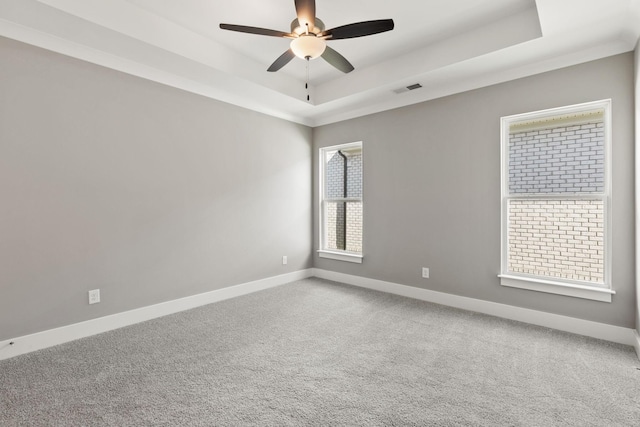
447, 46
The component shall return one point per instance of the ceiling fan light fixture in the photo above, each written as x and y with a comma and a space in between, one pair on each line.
308, 46
310, 37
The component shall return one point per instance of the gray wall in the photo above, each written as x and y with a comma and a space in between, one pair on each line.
432, 188
637, 146
150, 193
144, 191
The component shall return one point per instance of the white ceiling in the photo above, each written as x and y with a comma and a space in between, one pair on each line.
447, 46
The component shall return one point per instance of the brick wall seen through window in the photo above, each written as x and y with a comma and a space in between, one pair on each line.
342, 220
556, 193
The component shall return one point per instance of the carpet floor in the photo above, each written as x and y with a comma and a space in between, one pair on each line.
315, 352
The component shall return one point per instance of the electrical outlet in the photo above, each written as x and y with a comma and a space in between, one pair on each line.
425, 272
284, 260
94, 296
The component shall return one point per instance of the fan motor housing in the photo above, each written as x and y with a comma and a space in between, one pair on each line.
297, 28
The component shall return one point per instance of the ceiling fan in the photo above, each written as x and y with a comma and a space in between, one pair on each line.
309, 36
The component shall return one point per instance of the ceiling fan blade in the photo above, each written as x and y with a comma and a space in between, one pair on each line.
281, 61
337, 60
306, 11
358, 29
256, 30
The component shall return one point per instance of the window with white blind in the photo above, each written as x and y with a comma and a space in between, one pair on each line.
341, 202
556, 191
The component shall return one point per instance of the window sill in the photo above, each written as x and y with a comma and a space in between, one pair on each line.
341, 256
549, 286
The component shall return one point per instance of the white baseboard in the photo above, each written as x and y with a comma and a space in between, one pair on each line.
588, 328
51, 337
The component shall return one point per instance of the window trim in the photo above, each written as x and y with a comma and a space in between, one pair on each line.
573, 288
341, 255
336, 254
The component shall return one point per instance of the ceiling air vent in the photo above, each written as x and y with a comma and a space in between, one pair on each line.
408, 88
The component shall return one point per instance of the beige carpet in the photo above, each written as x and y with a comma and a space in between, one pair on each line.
319, 353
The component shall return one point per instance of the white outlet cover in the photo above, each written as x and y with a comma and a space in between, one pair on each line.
425, 272
94, 296
284, 260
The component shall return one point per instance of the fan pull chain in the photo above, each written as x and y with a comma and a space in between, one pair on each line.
306, 84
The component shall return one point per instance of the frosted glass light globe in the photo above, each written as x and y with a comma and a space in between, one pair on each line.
308, 46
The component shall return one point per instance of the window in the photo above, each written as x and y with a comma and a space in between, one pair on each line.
555, 201
341, 202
